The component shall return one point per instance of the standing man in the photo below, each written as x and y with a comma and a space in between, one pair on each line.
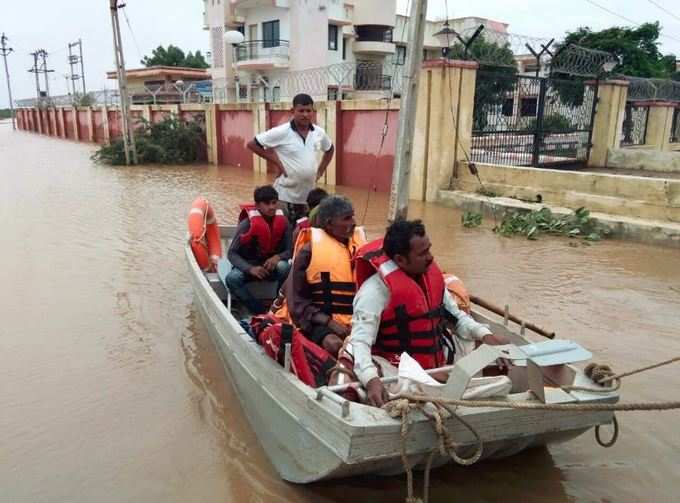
292, 148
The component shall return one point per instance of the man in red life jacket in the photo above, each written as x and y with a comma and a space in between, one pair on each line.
401, 308
260, 249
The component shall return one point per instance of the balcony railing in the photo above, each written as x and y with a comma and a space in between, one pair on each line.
261, 49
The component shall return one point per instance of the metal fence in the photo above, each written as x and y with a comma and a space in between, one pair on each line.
532, 121
675, 129
635, 124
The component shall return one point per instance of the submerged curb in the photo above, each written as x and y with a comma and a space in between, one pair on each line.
637, 230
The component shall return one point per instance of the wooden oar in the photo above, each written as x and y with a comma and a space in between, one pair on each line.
502, 312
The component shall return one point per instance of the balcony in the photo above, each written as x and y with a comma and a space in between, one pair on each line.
373, 39
261, 55
253, 4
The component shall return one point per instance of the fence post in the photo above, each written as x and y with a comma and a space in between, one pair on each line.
76, 126
448, 93
659, 125
105, 124
538, 132
90, 124
260, 111
609, 115
211, 133
63, 122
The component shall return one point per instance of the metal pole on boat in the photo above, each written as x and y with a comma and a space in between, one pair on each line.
407, 115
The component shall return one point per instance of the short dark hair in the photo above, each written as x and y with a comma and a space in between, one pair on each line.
302, 99
398, 237
315, 196
265, 194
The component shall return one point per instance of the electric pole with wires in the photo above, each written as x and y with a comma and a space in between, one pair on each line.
35, 71
399, 193
128, 132
4, 50
73, 60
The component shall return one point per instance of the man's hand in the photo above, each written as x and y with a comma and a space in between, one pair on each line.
338, 328
258, 271
280, 170
377, 394
271, 263
495, 340
319, 174
332, 343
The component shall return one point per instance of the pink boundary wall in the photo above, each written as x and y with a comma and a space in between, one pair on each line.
234, 131
358, 134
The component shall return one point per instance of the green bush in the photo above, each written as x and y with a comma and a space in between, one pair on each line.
170, 141
532, 224
555, 123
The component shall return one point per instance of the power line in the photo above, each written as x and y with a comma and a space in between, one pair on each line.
627, 19
664, 9
73, 60
134, 38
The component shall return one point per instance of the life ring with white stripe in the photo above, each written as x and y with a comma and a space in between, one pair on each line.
204, 235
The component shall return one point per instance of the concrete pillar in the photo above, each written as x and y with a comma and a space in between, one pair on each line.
260, 123
211, 133
105, 125
326, 116
443, 125
659, 125
609, 114
146, 113
90, 125
63, 122
76, 126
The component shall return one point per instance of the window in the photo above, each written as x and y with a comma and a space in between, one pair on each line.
332, 93
527, 107
332, 37
270, 34
344, 49
508, 106
373, 33
241, 29
400, 55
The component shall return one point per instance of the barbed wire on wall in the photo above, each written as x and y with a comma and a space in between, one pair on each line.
642, 89
580, 61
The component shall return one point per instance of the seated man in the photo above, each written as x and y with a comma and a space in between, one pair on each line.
401, 308
321, 286
260, 248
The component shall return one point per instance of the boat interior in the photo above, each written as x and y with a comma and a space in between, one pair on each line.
551, 376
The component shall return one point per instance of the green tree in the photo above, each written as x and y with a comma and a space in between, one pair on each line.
636, 48
496, 77
174, 56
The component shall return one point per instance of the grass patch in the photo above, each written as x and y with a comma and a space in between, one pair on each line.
532, 224
471, 219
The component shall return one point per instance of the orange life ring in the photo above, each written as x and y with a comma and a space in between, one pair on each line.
205, 235
457, 289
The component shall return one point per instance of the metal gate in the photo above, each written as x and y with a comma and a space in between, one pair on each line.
532, 121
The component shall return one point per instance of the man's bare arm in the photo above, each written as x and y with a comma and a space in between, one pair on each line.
325, 161
268, 155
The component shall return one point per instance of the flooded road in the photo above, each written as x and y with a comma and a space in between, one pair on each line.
110, 389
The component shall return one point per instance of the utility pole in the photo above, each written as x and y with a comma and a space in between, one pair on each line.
73, 60
4, 50
399, 193
35, 71
128, 133
43, 54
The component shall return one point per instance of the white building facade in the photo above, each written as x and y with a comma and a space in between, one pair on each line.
330, 49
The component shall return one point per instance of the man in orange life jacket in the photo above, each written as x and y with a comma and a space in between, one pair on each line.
260, 249
321, 286
400, 309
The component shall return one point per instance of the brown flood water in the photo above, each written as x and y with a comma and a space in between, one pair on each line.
110, 389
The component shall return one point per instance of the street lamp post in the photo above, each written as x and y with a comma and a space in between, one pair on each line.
234, 38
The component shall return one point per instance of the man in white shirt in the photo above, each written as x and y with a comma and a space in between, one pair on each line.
399, 307
293, 149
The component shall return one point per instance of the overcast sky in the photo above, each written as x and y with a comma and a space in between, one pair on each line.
51, 25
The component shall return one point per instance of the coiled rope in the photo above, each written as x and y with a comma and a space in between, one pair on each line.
403, 404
